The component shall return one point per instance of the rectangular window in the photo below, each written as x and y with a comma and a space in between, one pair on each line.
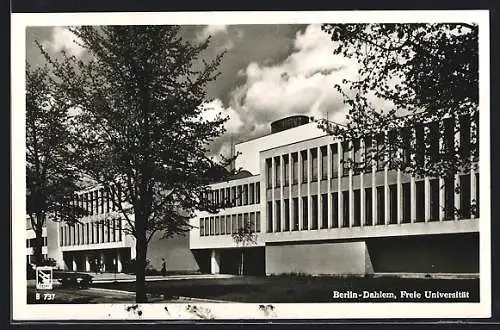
449, 136
357, 208
202, 227
449, 198
380, 205
61, 234
357, 156
406, 203
368, 207
465, 197
295, 168
432, 139
239, 197
419, 145
97, 232
324, 211
233, 196
251, 193
420, 201
207, 226
217, 225
324, 163
304, 166
406, 147
252, 222
434, 199
245, 194
314, 212
240, 222
305, 213
345, 209
222, 225
212, 226
228, 224
269, 172
295, 214
286, 171
277, 227
246, 221
277, 171
103, 231
335, 210
465, 136
120, 230
114, 230
216, 197
269, 217
314, 164
393, 204
346, 159
335, 160
368, 154
287, 215
257, 221
380, 151
257, 193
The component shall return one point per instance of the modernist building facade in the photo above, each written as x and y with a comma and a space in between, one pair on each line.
314, 213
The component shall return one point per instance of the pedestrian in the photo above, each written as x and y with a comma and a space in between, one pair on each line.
163, 267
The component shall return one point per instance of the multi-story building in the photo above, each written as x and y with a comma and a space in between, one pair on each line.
101, 241
314, 213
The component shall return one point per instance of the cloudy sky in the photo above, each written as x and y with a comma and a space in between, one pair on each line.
268, 72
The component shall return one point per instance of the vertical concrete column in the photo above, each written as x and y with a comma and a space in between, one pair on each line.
362, 183
309, 179
282, 199
473, 190
399, 198
73, 264
427, 204
273, 184
340, 171
457, 195
351, 191
290, 198
87, 263
119, 266
386, 184
299, 187
413, 201
329, 183
441, 199
214, 262
374, 186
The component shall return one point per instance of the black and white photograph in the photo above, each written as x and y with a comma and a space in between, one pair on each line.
251, 165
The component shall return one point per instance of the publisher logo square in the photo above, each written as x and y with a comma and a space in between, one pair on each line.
44, 278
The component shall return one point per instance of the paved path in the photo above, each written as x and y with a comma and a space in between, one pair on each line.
121, 277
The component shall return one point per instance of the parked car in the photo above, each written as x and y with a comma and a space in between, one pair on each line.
73, 279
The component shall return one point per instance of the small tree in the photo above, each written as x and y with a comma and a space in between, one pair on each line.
50, 178
141, 98
245, 236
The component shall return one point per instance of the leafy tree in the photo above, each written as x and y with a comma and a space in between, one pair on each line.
140, 100
50, 178
422, 73
244, 236
416, 82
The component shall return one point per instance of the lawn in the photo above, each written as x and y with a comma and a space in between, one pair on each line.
301, 289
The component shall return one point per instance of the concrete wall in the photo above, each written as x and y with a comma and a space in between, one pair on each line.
317, 258
249, 158
176, 252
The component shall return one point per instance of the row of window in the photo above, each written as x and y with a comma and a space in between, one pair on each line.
229, 224
31, 242
99, 201
396, 145
246, 194
96, 232
468, 205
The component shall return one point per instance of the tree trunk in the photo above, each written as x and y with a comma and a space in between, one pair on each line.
38, 241
141, 251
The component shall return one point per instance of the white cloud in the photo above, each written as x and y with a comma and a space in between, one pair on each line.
63, 39
301, 84
211, 30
